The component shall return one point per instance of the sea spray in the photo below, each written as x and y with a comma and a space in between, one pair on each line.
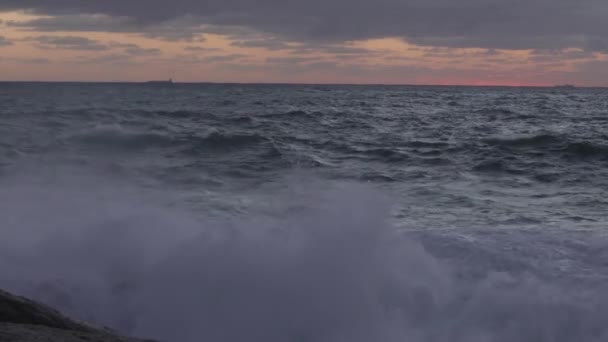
333, 270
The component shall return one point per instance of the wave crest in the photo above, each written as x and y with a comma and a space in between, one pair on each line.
555, 144
115, 137
331, 271
528, 141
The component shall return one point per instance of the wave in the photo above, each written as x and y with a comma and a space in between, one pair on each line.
226, 140
496, 111
586, 150
333, 270
181, 114
555, 144
312, 115
427, 144
490, 166
198, 115
293, 115
263, 153
386, 154
527, 141
115, 137
497, 166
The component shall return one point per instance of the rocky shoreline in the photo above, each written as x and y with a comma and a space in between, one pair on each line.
24, 320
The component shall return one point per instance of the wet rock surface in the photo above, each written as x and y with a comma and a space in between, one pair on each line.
23, 320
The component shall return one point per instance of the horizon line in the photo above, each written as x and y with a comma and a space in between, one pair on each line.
557, 86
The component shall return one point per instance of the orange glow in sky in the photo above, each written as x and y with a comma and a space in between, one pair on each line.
27, 54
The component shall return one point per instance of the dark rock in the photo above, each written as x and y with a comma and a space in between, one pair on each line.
24, 320
20, 310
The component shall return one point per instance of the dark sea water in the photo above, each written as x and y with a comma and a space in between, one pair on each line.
309, 213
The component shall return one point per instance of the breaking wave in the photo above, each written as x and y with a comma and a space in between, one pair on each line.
326, 267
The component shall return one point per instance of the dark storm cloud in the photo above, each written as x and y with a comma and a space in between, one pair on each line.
181, 29
200, 49
67, 43
4, 41
136, 50
270, 43
76, 23
512, 24
86, 44
225, 58
345, 50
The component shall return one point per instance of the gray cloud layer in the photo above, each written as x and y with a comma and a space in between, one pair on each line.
4, 41
173, 30
517, 24
86, 44
136, 50
67, 43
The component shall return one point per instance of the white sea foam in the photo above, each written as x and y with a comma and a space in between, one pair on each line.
333, 271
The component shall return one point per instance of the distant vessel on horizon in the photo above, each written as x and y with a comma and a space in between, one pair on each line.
565, 86
161, 82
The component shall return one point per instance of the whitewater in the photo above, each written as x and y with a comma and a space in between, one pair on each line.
209, 212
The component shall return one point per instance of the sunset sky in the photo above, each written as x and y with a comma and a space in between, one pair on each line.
478, 42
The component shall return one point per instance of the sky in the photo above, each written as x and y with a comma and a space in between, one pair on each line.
471, 42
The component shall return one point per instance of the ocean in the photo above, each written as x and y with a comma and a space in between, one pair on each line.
309, 213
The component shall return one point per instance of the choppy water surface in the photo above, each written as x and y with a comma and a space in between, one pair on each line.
309, 213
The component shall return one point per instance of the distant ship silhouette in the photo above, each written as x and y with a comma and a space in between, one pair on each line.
161, 82
565, 86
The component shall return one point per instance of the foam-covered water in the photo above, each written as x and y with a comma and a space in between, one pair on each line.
309, 213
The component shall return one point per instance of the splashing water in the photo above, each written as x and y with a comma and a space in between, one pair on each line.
334, 270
